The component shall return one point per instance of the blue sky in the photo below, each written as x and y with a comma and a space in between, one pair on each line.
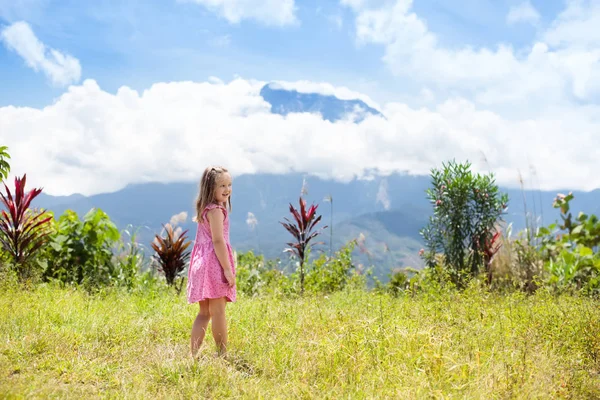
504, 78
137, 43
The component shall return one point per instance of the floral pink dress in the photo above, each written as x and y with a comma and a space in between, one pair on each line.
206, 279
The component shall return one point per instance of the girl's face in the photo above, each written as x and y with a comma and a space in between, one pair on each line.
223, 189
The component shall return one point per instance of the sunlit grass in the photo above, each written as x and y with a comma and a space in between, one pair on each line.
65, 343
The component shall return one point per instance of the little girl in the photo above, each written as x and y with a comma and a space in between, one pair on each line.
211, 275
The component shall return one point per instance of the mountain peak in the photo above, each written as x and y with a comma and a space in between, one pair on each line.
284, 101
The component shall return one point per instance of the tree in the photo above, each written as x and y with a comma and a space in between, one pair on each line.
466, 210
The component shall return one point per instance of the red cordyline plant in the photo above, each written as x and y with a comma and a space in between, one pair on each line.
301, 229
489, 244
171, 253
22, 230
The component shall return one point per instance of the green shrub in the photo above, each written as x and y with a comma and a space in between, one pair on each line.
255, 276
328, 275
466, 209
570, 249
4, 165
81, 252
129, 258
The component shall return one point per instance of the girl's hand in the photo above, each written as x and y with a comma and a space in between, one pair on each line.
230, 278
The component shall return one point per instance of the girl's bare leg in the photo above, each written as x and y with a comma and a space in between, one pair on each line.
219, 323
199, 327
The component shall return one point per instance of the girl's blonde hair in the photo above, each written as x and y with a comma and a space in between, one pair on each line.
206, 191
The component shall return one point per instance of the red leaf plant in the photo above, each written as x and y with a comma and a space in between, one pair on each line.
171, 253
22, 231
305, 221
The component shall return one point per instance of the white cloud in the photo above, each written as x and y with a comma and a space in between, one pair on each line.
526, 80
62, 69
91, 141
524, 12
382, 195
178, 218
578, 25
268, 12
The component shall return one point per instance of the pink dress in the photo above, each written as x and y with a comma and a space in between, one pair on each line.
206, 279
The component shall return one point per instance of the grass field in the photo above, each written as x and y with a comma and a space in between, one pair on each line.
63, 343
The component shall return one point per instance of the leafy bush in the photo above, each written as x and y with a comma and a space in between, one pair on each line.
577, 269
81, 252
466, 210
571, 249
256, 277
171, 255
328, 275
301, 229
129, 258
22, 231
4, 166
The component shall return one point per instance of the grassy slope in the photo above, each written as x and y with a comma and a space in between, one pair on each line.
65, 343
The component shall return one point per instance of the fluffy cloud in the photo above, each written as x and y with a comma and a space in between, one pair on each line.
268, 12
523, 12
91, 141
62, 69
577, 25
563, 67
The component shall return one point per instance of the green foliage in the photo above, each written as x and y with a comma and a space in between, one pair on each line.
576, 269
129, 258
4, 165
171, 254
323, 275
81, 252
583, 230
528, 272
403, 280
256, 277
466, 209
570, 249
328, 275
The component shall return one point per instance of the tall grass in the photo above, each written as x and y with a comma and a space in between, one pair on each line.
66, 343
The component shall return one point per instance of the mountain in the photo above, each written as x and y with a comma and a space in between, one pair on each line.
356, 209
387, 211
330, 107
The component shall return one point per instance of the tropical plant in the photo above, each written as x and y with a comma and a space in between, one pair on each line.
4, 166
130, 257
328, 275
22, 231
256, 276
81, 251
583, 230
171, 255
301, 229
570, 249
467, 208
